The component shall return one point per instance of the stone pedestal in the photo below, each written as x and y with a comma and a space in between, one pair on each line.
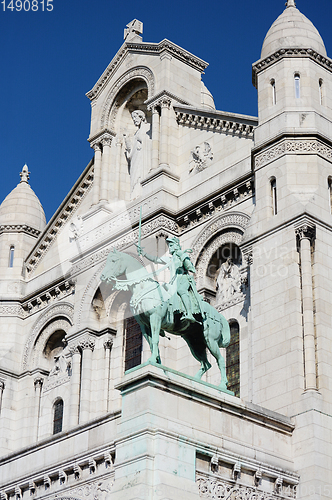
169, 419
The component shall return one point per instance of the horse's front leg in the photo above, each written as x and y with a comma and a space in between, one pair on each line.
155, 324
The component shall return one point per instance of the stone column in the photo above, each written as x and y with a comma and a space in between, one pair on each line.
306, 234
155, 136
107, 346
2, 387
87, 345
165, 103
97, 173
38, 383
75, 383
105, 169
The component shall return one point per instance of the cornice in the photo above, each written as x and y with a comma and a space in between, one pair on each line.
240, 125
218, 204
156, 99
262, 64
284, 146
63, 214
19, 228
147, 48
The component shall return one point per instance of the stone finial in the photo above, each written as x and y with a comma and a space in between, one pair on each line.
290, 3
25, 174
133, 31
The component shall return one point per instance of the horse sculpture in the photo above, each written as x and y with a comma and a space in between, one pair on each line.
150, 304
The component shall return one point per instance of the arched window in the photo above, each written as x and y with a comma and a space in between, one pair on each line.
320, 91
274, 195
233, 359
57, 416
297, 85
11, 256
274, 93
133, 343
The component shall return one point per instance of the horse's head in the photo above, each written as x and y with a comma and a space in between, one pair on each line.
114, 267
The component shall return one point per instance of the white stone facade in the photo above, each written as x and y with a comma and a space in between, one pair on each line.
252, 198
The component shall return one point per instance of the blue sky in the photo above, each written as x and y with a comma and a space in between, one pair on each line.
49, 60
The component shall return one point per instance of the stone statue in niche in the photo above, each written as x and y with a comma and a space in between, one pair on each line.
137, 151
60, 367
228, 280
201, 158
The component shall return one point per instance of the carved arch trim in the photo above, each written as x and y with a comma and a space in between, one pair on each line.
56, 312
139, 72
228, 228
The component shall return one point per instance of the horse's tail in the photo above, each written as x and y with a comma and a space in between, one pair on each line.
225, 336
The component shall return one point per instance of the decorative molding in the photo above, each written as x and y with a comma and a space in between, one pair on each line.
225, 490
12, 310
68, 209
164, 99
154, 48
103, 138
142, 72
233, 220
20, 228
293, 146
62, 309
262, 64
202, 120
49, 296
229, 199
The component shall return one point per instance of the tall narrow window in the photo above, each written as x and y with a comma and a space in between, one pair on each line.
297, 85
11, 256
329, 180
133, 346
274, 94
320, 91
233, 359
57, 416
274, 196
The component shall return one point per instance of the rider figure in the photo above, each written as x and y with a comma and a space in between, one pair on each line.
179, 264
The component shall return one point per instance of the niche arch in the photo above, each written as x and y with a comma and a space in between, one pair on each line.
139, 73
56, 317
225, 229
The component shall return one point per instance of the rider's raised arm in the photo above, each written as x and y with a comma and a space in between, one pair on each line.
156, 260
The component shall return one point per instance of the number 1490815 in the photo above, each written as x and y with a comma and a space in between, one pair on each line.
26, 5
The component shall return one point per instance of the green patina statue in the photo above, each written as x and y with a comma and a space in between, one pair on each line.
181, 283
175, 307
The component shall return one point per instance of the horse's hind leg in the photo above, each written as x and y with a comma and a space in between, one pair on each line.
199, 353
155, 324
214, 349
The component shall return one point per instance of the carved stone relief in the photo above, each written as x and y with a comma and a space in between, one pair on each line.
200, 158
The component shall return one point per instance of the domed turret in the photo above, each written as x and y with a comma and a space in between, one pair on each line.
292, 30
22, 207
207, 100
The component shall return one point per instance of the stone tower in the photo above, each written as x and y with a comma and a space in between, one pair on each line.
290, 235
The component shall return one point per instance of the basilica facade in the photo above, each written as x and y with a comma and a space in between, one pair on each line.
84, 413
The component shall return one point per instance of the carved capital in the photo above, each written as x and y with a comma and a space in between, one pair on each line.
106, 140
165, 102
306, 230
38, 382
248, 255
96, 147
108, 344
75, 349
87, 343
2, 385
